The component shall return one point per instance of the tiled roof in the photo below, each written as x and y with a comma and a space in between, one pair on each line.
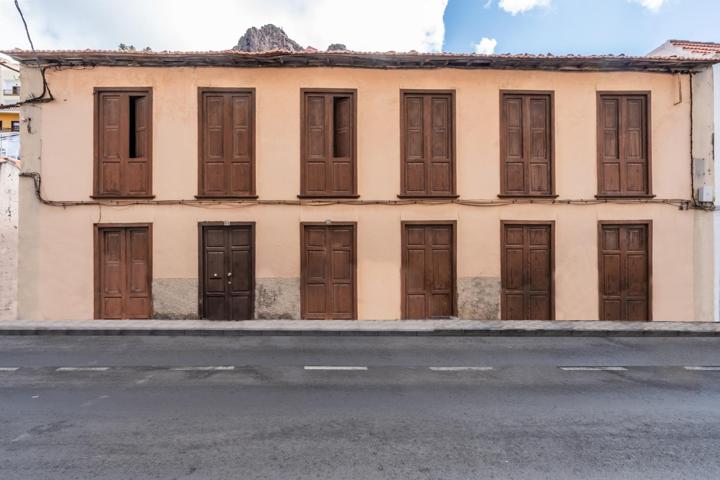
701, 48
351, 59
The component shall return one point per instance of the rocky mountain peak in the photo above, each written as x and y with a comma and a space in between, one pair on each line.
267, 37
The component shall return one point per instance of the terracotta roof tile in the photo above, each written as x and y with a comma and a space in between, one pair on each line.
702, 48
353, 59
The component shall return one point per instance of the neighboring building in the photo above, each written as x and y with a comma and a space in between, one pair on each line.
351, 185
706, 129
9, 94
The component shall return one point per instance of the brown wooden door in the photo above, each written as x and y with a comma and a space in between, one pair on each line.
227, 271
428, 270
527, 271
123, 272
624, 270
328, 272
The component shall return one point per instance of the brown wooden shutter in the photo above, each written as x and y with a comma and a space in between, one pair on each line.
526, 144
113, 124
123, 143
317, 142
328, 144
138, 166
227, 143
427, 145
623, 145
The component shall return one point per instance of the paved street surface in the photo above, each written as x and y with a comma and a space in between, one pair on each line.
359, 407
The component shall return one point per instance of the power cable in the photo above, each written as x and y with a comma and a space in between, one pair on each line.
46, 95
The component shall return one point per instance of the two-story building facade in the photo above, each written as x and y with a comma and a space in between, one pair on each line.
319, 185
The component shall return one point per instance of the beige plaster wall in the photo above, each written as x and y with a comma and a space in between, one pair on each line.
61, 268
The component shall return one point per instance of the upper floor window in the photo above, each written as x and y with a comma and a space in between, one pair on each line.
526, 144
328, 153
623, 144
427, 143
123, 142
226, 143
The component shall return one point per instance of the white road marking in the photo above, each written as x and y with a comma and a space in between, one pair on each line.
459, 369
332, 367
204, 369
703, 369
593, 369
82, 369
9, 369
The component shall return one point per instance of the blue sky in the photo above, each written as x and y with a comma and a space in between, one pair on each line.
537, 26
580, 26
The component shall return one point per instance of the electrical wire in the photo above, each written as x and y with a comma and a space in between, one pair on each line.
682, 204
46, 95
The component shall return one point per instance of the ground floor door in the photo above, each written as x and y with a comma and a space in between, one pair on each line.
428, 270
527, 271
227, 271
624, 267
123, 271
328, 271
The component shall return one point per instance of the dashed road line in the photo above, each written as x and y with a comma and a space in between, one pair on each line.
593, 369
82, 369
460, 369
219, 368
334, 367
702, 368
9, 369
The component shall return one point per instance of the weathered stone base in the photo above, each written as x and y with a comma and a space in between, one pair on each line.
277, 298
175, 298
479, 298
8, 241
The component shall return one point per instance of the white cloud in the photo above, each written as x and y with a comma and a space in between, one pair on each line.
521, 6
486, 46
652, 5
374, 25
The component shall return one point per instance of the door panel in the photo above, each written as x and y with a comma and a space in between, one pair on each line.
527, 271
624, 270
328, 272
124, 272
428, 271
228, 271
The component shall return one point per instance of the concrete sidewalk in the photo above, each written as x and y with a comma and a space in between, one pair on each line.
360, 328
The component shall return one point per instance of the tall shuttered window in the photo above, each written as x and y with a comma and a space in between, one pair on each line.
526, 144
226, 143
328, 154
623, 142
123, 143
427, 144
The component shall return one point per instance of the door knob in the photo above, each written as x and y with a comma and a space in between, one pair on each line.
229, 274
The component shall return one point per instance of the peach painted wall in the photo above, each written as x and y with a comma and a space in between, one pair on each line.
58, 272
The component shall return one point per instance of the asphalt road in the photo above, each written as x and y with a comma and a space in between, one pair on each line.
410, 408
